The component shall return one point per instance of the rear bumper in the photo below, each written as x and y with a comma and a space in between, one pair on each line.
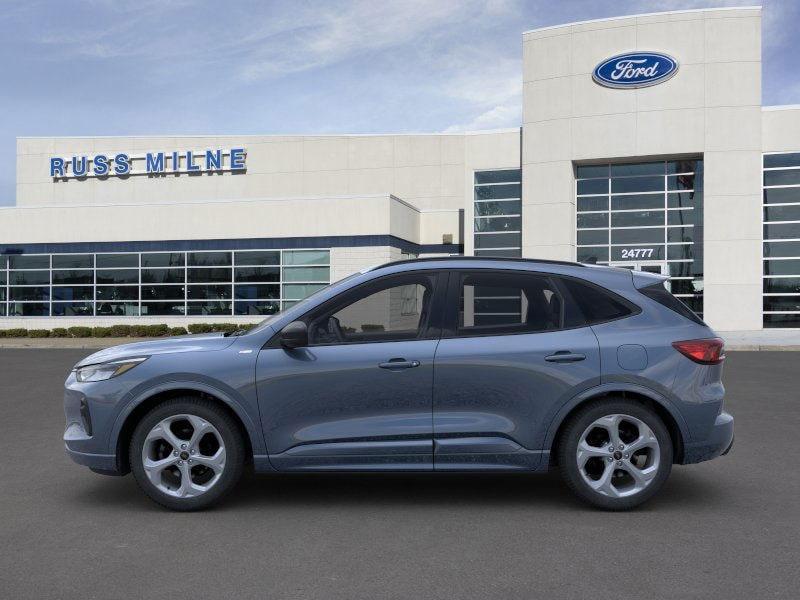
718, 442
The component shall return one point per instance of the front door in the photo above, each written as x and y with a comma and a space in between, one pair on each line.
360, 395
506, 362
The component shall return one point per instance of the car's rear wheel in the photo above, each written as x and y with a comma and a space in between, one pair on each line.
187, 453
615, 453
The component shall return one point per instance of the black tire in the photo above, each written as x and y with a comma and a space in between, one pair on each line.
231, 436
574, 429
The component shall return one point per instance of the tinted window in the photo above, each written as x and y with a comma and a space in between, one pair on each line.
492, 303
660, 294
387, 310
594, 304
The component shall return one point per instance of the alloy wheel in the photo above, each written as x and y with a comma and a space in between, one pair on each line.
618, 455
183, 456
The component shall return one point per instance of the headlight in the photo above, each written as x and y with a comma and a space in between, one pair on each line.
104, 371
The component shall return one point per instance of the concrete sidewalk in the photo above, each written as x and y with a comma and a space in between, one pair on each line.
767, 339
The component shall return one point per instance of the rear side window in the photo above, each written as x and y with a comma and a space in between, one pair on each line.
661, 294
595, 304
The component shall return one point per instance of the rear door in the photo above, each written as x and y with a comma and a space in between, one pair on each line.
506, 362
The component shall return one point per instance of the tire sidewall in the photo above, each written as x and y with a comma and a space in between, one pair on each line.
569, 443
227, 429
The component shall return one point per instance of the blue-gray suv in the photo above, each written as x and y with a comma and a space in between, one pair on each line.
443, 364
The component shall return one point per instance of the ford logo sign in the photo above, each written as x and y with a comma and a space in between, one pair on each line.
635, 70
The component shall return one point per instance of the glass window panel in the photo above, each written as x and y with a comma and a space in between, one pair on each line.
787, 177
680, 269
505, 253
775, 321
637, 219
71, 292
782, 195
498, 224
3, 309
73, 276
781, 249
783, 303
298, 291
209, 292
209, 275
256, 292
28, 309
306, 257
256, 308
26, 261
306, 274
586, 171
637, 201
680, 252
2, 294
162, 308
782, 213
162, 292
592, 186
163, 276
29, 277
257, 273
163, 259
118, 276
782, 285
2, 277
684, 199
637, 184
681, 182
222, 307
782, 267
483, 209
73, 309
695, 303
495, 192
209, 259
680, 234
637, 236
117, 309
593, 203
593, 220
589, 254
590, 237
782, 231
685, 286
73, 261
681, 217
29, 293
497, 240
115, 261
498, 176
639, 252
117, 292
647, 168
266, 257
684, 166
790, 159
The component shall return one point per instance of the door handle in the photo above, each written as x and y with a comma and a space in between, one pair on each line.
397, 364
565, 356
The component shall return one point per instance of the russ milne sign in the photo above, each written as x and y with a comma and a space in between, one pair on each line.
150, 163
635, 70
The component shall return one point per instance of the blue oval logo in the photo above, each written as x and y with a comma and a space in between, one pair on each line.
635, 70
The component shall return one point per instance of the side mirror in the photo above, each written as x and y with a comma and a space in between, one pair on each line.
294, 335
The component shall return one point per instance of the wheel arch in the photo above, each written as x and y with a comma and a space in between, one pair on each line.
148, 400
668, 414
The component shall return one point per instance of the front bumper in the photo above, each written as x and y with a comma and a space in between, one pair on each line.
718, 442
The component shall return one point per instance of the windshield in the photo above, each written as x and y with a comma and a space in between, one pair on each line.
300, 305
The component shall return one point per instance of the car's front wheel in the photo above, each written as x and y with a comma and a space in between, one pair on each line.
186, 453
615, 453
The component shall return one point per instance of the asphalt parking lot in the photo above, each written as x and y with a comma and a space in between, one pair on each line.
725, 529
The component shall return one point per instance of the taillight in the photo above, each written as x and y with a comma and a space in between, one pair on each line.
705, 352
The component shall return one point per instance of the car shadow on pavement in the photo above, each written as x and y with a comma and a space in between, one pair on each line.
683, 490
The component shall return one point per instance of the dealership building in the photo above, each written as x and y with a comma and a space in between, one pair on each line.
643, 144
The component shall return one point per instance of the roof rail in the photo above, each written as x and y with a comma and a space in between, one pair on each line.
479, 259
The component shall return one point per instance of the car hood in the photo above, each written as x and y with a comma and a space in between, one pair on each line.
184, 343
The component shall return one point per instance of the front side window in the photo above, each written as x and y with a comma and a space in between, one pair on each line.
392, 309
494, 303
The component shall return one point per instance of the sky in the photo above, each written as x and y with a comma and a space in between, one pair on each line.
171, 67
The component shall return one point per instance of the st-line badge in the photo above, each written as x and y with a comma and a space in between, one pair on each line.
635, 70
